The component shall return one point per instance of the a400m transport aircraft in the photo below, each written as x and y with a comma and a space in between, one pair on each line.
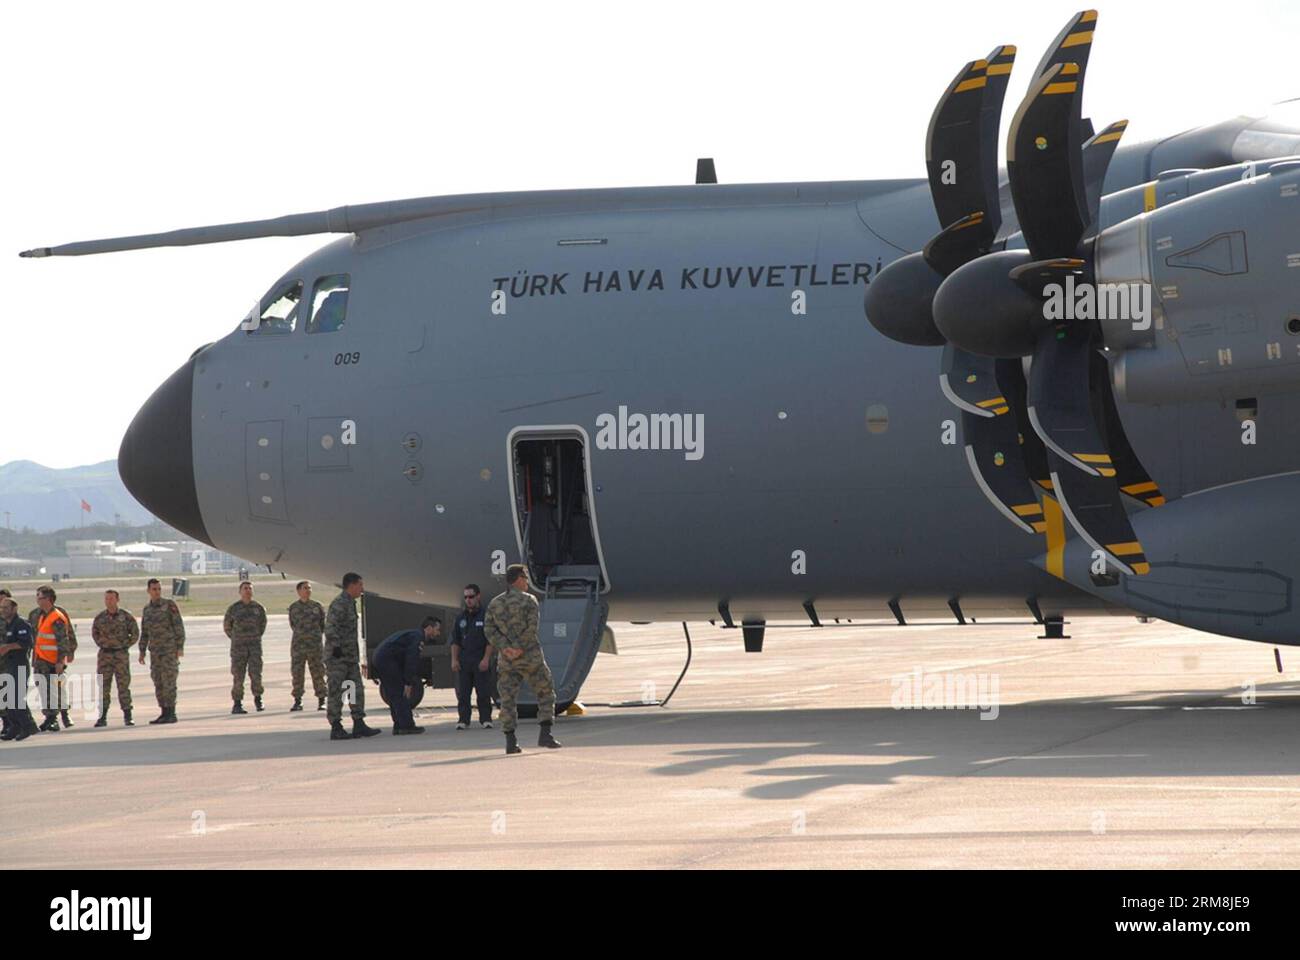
668, 400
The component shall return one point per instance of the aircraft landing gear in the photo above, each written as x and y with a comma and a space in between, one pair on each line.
1053, 629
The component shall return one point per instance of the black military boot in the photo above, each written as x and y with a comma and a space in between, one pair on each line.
26, 728
337, 732
162, 717
103, 718
512, 744
126, 718
238, 707
297, 705
544, 738
320, 703
359, 729
404, 731
257, 702
9, 732
51, 724
169, 716
67, 721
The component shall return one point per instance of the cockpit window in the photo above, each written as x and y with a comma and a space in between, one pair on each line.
329, 304
279, 310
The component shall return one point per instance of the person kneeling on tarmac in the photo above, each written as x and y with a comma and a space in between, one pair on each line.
397, 666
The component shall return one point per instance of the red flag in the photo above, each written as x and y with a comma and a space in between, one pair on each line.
85, 506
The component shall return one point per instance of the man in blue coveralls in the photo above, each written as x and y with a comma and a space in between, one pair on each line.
396, 664
471, 660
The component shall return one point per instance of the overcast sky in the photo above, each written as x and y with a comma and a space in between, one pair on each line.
129, 117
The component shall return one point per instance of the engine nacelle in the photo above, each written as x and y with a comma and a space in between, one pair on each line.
1222, 273
1220, 561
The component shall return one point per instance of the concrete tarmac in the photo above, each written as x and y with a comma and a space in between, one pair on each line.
1128, 745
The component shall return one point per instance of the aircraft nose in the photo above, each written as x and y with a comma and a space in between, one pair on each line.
156, 459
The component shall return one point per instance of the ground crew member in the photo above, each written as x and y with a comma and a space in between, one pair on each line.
397, 665
4, 707
244, 624
307, 621
343, 667
16, 644
162, 636
115, 632
511, 629
53, 651
471, 660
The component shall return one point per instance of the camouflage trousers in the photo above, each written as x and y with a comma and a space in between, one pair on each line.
344, 679
49, 686
510, 677
114, 664
307, 652
246, 655
164, 668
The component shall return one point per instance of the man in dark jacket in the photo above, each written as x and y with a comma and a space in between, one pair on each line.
471, 660
15, 665
397, 666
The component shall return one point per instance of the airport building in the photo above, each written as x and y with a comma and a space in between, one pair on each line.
106, 558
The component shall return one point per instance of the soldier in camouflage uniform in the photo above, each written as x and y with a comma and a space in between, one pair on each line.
511, 628
162, 636
307, 621
115, 633
51, 676
244, 624
342, 662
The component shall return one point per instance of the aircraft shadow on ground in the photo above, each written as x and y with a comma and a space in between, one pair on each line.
784, 754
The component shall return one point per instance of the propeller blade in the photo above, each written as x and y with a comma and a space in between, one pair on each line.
1072, 44
961, 155
995, 461
1044, 164
996, 449
1011, 378
998, 457
1131, 477
1001, 60
958, 243
1035, 277
953, 145
1096, 160
1093, 507
969, 381
1060, 408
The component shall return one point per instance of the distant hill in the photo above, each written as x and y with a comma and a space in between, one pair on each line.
44, 499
